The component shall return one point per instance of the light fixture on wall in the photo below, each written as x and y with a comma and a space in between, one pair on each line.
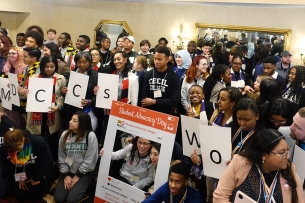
302, 48
179, 44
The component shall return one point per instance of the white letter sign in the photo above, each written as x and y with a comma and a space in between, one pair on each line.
190, 134
298, 160
39, 98
77, 89
108, 90
13, 79
215, 148
5, 94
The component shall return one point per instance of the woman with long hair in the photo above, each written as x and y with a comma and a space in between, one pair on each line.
51, 49
247, 122
196, 74
293, 88
14, 63
137, 169
269, 91
48, 124
256, 87
219, 78
77, 157
278, 114
263, 172
5, 45
217, 52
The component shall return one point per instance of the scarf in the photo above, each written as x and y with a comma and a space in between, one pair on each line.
30, 72
37, 116
218, 120
186, 59
123, 88
200, 111
96, 67
23, 156
239, 81
70, 50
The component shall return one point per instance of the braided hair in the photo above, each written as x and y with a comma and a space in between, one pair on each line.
297, 85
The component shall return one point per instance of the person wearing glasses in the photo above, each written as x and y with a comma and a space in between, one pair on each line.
278, 114
263, 172
137, 170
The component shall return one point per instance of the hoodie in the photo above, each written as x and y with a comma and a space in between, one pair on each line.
83, 154
169, 85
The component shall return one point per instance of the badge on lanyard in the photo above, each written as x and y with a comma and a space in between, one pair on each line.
69, 161
157, 93
20, 176
134, 178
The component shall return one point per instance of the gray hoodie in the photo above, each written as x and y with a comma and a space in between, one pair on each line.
143, 169
84, 155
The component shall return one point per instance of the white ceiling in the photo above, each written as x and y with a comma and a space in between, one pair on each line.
264, 3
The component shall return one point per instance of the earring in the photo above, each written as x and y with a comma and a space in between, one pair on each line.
263, 161
221, 79
231, 107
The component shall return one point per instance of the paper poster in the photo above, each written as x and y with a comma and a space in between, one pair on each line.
216, 149
5, 96
77, 89
13, 80
298, 160
108, 90
190, 134
39, 98
285, 130
147, 124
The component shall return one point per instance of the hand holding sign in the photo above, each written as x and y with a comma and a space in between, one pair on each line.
195, 158
190, 112
5, 94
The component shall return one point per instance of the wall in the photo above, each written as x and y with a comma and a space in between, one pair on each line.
153, 20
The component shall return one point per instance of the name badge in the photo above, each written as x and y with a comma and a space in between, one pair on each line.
69, 161
20, 176
134, 178
157, 93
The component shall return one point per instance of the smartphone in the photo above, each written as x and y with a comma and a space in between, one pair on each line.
243, 198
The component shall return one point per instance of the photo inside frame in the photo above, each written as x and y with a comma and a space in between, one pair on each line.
127, 145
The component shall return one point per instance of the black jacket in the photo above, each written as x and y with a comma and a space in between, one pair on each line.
5, 124
169, 84
37, 166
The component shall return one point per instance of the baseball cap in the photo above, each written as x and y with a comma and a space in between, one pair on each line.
131, 38
286, 53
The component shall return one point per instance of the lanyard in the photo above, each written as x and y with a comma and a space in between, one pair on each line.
183, 198
268, 191
240, 144
154, 75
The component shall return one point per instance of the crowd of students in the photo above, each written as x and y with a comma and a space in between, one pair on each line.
253, 94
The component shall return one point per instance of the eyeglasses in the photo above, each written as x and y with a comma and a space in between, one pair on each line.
145, 144
284, 154
12, 53
275, 121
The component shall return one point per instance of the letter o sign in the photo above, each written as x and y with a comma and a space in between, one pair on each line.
219, 155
